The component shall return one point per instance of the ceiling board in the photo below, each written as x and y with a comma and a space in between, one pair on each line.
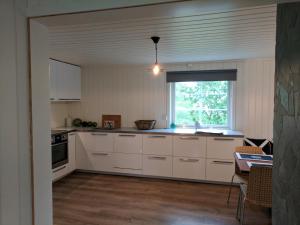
188, 33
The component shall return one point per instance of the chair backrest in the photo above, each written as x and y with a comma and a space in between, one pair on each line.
249, 149
259, 188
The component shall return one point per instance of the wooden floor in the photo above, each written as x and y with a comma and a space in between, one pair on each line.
93, 199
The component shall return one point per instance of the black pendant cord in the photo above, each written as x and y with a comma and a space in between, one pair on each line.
155, 54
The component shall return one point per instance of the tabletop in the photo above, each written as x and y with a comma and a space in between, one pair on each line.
243, 167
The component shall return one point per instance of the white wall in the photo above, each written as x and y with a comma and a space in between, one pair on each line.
58, 113
42, 170
15, 178
135, 93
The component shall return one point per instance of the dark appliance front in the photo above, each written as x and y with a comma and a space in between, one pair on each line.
59, 146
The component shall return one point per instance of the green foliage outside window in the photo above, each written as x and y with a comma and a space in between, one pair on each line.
205, 102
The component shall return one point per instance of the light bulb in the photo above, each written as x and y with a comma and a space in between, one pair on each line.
156, 69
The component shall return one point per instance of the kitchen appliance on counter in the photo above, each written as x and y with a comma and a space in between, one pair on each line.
59, 148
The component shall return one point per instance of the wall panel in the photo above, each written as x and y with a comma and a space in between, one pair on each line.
135, 93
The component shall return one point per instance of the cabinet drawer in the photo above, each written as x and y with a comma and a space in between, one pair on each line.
128, 143
222, 147
189, 168
59, 172
157, 144
189, 146
219, 170
97, 141
157, 165
127, 163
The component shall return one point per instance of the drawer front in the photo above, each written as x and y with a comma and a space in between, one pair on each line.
189, 168
189, 146
128, 143
219, 170
222, 147
92, 160
125, 162
100, 161
157, 144
97, 141
157, 165
59, 172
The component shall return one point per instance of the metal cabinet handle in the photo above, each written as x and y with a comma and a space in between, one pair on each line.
188, 160
63, 99
61, 168
224, 139
99, 134
52, 98
189, 138
100, 153
157, 157
156, 136
125, 168
127, 135
222, 162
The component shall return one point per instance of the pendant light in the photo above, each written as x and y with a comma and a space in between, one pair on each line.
156, 68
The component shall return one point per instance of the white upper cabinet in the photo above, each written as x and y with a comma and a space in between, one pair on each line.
65, 81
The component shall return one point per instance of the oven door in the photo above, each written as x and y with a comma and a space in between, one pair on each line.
59, 154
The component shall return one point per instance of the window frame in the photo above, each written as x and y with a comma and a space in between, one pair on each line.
231, 107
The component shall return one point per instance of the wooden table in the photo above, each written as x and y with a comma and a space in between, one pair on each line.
241, 166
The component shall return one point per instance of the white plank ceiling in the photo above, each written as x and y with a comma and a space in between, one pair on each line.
189, 32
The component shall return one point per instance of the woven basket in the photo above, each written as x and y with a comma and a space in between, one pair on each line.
145, 124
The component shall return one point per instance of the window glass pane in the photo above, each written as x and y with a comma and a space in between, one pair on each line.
206, 102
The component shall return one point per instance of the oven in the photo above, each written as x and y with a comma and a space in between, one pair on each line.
59, 148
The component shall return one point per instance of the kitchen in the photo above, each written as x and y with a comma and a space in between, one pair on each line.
87, 84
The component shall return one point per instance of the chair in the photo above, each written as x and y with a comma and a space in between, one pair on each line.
258, 191
242, 177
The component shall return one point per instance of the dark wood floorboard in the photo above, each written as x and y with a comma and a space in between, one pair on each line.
94, 199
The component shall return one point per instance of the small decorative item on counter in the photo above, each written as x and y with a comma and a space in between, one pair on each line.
173, 125
109, 124
145, 124
77, 122
84, 124
111, 121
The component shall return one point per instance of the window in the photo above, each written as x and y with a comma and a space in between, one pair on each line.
206, 102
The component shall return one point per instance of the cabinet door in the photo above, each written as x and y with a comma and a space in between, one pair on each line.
222, 147
75, 83
52, 79
157, 144
157, 165
189, 146
189, 168
68, 82
89, 159
128, 143
72, 151
219, 170
127, 163
97, 141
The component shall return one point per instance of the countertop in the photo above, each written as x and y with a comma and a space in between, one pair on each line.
165, 131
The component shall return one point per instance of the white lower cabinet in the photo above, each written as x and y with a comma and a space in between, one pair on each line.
128, 143
189, 168
127, 163
157, 144
187, 157
222, 147
219, 170
71, 152
189, 146
157, 165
